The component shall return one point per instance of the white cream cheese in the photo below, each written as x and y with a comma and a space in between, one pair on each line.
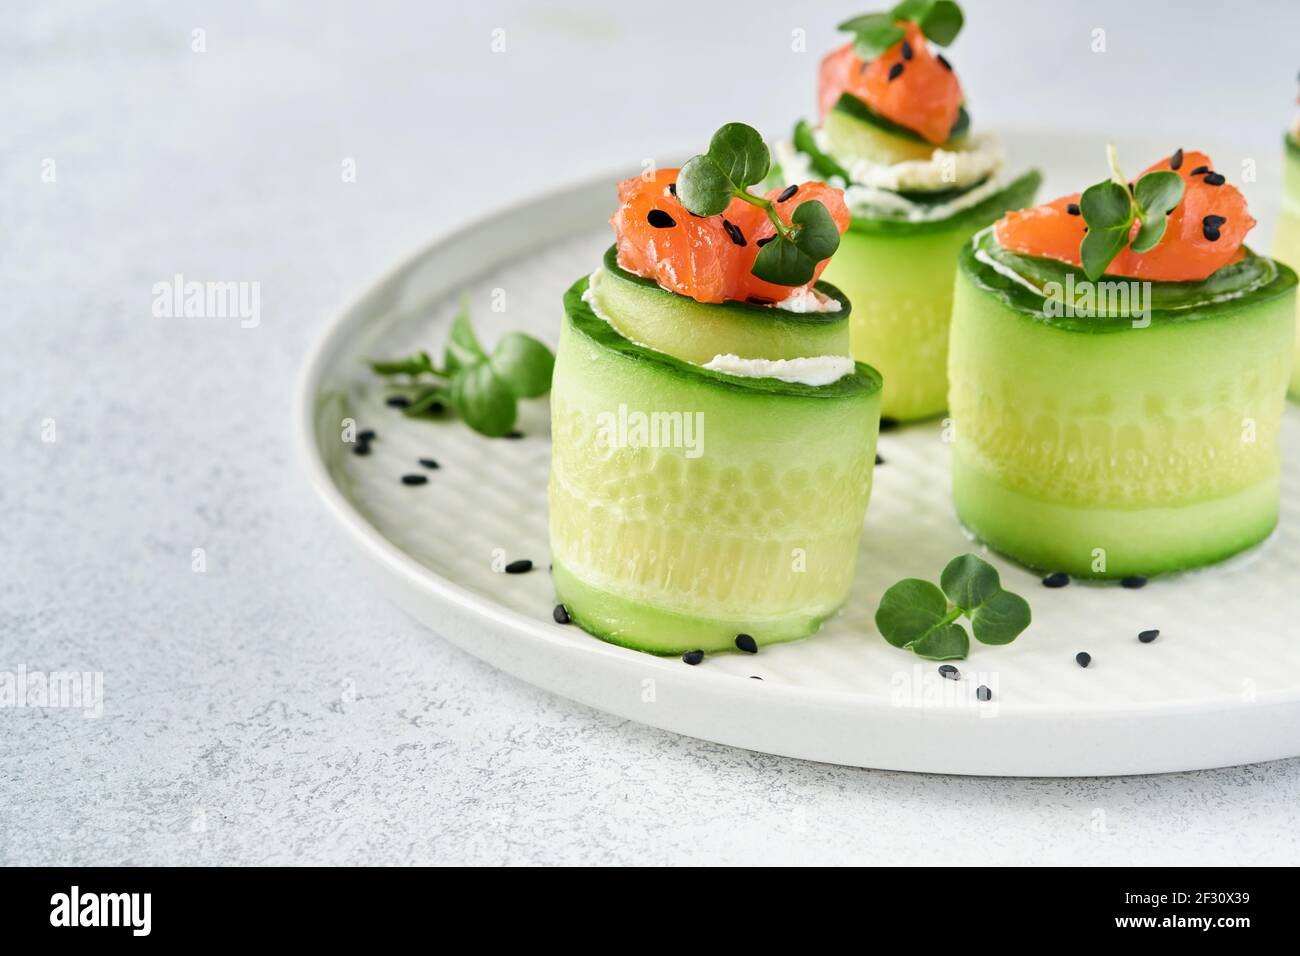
805, 300
815, 370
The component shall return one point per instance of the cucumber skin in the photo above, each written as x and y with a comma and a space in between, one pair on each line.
664, 553
899, 276
1130, 441
645, 312
1286, 241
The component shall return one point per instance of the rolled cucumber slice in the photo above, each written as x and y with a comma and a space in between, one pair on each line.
645, 312
1106, 450
688, 506
899, 275
856, 131
1286, 242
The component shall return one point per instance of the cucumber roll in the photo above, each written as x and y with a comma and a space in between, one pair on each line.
896, 135
713, 440
1286, 244
1116, 400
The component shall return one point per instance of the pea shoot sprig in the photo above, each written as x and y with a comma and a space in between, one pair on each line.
1111, 207
874, 33
738, 158
483, 388
917, 616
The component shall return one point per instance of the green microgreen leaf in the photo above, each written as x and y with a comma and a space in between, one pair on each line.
942, 22
1108, 210
425, 401
703, 188
1001, 618
1156, 195
484, 401
417, 364
462, 348
792, 259
524, 364
739, 151
969, 581
874, 33
915, 615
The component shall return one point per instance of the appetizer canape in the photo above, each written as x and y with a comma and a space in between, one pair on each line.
895, 132
1127, 426
1286, 243
713, 440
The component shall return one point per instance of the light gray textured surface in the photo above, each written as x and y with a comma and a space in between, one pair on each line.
275, 709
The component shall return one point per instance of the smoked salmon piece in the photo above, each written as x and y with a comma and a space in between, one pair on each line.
1205, 230
708, 258
906, 84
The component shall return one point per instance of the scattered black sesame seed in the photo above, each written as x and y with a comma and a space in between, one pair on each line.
943, 61
907, 50
522, 566
879, 459
415, 479
895, 71
765, 240
1057, 579
561, 614
1083, 658
888, 424
397, 401
367, 436
1210, 227
1214, 179
514, 435
734, 232
1146, 637
361, 448
1133, 581
983, 692
949, 672
672, 188
1072, 208
693, 657
1176, 161
660, 219
747, 643
429, 463
1198, 170
436, 408
787, 193
754, 677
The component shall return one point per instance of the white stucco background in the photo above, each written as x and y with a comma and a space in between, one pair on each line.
227, 736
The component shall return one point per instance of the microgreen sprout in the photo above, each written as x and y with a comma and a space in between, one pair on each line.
1111, 207
874, 33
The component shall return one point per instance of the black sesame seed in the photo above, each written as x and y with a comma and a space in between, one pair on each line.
787, 193
693, 657
522, 566
561, 614
879, 459
895, 71
1176, 160
1214, 179
361, 448
1133, 581
414, 479
1083, 658
660, 219
746, 643
514, 435
765, 240
983, 693
1072, 208
754, 677
367, 436
672, 188
1214, 222
734, 232
429, 463
397, 401
907, 50
888, 424
1057, 579
949, 672
943, 61
1211, 233
1199, 169
1146, 637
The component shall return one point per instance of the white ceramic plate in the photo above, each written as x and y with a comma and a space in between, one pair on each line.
1221, 685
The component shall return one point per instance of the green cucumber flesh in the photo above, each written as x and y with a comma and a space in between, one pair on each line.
1115, 450
856, 131
669, 546
900, 275
645, 312
1286, 240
